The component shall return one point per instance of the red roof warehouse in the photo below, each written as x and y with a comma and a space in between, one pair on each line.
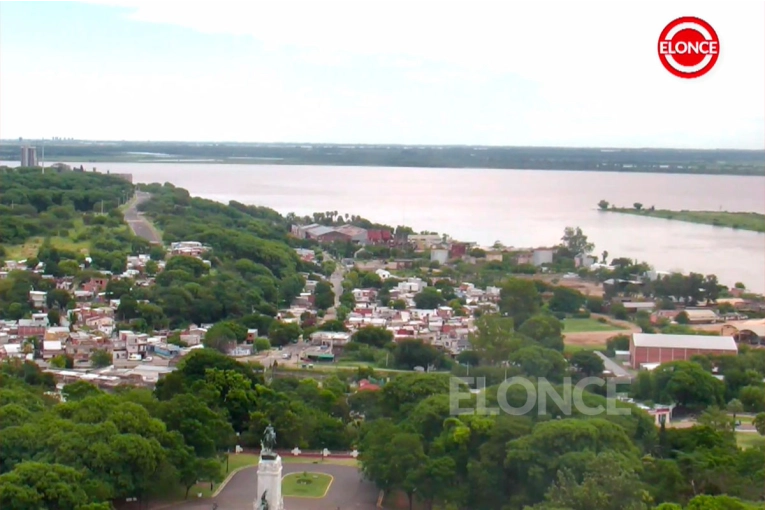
646, 348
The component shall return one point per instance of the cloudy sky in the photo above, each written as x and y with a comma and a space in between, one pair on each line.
410, 72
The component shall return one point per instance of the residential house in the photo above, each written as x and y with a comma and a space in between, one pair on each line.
52, 348
194, 335
96, 285
379, 236
584, 260
494, 256
459, 250
27, 328
422, 242
38, 298
306, 255
542, 256
440, 255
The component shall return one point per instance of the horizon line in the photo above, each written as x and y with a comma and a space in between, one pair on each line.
430, 145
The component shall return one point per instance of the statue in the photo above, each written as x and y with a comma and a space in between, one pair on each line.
263, 502
268, 443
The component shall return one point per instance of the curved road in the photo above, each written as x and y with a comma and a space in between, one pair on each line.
137, 222
347, 492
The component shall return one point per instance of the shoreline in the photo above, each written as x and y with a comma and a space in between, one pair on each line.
265, 161
749, 221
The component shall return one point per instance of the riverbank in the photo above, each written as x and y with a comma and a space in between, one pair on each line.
754, 222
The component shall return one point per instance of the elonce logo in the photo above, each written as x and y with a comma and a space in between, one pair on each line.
689, 47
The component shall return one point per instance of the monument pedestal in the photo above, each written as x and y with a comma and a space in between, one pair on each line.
270, 482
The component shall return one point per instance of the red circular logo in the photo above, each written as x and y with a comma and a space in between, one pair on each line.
689, 47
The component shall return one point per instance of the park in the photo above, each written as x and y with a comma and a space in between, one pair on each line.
341, 487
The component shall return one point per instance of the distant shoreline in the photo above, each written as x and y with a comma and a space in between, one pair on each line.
754, 222
571, 159
89, 163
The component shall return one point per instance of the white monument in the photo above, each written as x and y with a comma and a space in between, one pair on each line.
269, 495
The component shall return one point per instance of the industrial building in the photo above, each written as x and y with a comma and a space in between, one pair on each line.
649, 349
28, 156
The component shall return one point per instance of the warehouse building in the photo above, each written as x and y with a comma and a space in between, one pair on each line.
650, 349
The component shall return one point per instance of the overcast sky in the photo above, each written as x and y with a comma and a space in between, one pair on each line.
410, 72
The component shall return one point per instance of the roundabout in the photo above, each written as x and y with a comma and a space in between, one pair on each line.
345, 489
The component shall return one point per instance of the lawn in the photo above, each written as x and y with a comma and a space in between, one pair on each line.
749, 439
571, 349
306, 485
587, 325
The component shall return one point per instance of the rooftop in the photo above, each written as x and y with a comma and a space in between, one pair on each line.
720, 343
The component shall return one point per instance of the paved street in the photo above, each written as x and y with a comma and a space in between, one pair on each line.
140, 225
347, 492
336, 280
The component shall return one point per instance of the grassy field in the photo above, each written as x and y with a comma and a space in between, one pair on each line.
32, 245
586, 326
749, 439
306, 485
571, 349
736, 220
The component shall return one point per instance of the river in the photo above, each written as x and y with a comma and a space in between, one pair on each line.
521, 208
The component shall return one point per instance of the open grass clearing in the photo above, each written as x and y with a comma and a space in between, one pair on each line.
749, 439
571, 349
587, 325
306, 485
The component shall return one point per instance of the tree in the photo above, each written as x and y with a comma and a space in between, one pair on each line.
544, 329
688, 384
735, 407
415, 353
494, 338
282, 333
759, 423
576, 242
54, 317
79, 390
100, 358
587, 363
566, 300
637, 206
682, 318
324, 296
536, 361
519, 300
429, 299
220, 337
373, 336
609, 483
618, 311
603, 205
469, 358
604, 256
33, 485
262, 344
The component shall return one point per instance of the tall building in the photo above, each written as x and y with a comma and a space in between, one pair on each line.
28, 156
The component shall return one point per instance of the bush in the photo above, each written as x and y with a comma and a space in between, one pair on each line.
602, 320
584, 314
559, 315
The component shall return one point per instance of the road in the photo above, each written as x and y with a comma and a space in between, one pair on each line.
348, 491
137, 222
336, 280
